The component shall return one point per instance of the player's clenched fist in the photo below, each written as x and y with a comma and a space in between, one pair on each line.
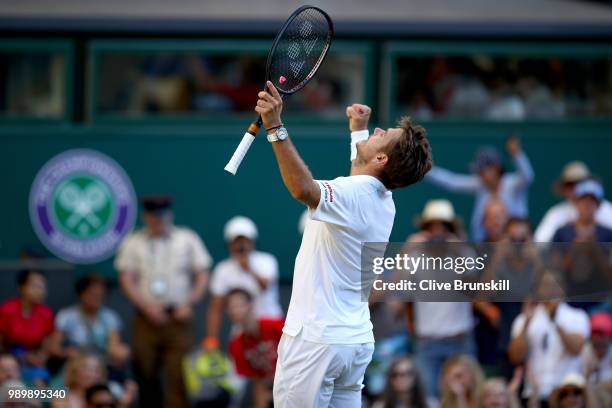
358, 115
270, 106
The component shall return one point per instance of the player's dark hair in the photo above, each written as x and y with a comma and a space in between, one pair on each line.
24, 274
91, 391
410, 157
239, 291
88, 281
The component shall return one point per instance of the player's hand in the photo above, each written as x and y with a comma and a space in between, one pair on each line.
270, 106
358, 115
513, 145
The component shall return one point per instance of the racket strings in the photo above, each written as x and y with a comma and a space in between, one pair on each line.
300, 50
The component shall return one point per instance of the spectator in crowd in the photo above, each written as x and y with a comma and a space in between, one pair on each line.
565, 212
489, 180
80, 372
548, 336
26, 325
441, 329
253, 344
9, 368
100, 396
515, 258
496, 393
571, 393
460, 382
163, 270
597, 356
246, 268
403, 387
583, 260
90, 326
589, 195
495, 218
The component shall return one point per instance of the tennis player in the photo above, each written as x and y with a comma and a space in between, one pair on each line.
327, 339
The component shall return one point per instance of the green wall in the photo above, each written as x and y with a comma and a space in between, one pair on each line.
188, 162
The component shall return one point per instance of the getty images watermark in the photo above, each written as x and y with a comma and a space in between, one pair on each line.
498, 272
405, 263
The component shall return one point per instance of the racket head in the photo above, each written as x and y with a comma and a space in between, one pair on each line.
299, 48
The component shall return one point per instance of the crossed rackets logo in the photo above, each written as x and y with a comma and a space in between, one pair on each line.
80, 206
306, 44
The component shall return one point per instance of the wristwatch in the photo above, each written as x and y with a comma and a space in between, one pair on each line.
280, 134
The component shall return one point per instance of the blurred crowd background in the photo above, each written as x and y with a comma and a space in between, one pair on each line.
517, 100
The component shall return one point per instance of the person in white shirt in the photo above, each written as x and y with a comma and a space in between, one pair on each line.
442, 329
549, 337
248, 269
565, 212
327, 340
163, 271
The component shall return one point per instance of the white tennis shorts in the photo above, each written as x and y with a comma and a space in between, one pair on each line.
314, 375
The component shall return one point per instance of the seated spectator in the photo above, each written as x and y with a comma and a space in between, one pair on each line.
246, 268
487, 180
571, 393
89, 326
460, 381
100, 396
403, 388
589, 195
548, 337
9, 368
26, 325
496, 393
565, 212
86, 370
81, 372
253, 346
597, 356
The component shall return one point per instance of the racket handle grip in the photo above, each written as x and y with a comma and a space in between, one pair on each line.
241, 151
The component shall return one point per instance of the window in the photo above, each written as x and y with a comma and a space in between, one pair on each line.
493, 86
32, 84
212, 81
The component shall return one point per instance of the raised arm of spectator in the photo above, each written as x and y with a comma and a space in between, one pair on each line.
524, 170
519, 346
451, 181
213, 322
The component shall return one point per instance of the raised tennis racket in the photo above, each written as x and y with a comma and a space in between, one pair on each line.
297, 52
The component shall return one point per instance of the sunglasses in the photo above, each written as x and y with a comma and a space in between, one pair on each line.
573, 392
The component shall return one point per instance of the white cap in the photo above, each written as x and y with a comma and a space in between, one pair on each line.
438, 210
239, 226
574, 171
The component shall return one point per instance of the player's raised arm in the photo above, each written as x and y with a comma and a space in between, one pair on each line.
358, 115
295, 173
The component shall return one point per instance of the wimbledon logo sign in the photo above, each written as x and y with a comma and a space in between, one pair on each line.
81, 205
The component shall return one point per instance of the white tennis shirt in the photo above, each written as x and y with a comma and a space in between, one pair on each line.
326, 304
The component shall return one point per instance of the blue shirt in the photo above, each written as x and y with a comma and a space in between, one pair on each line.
80, 331
512, 191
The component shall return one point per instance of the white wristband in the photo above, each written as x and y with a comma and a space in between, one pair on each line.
357, 136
